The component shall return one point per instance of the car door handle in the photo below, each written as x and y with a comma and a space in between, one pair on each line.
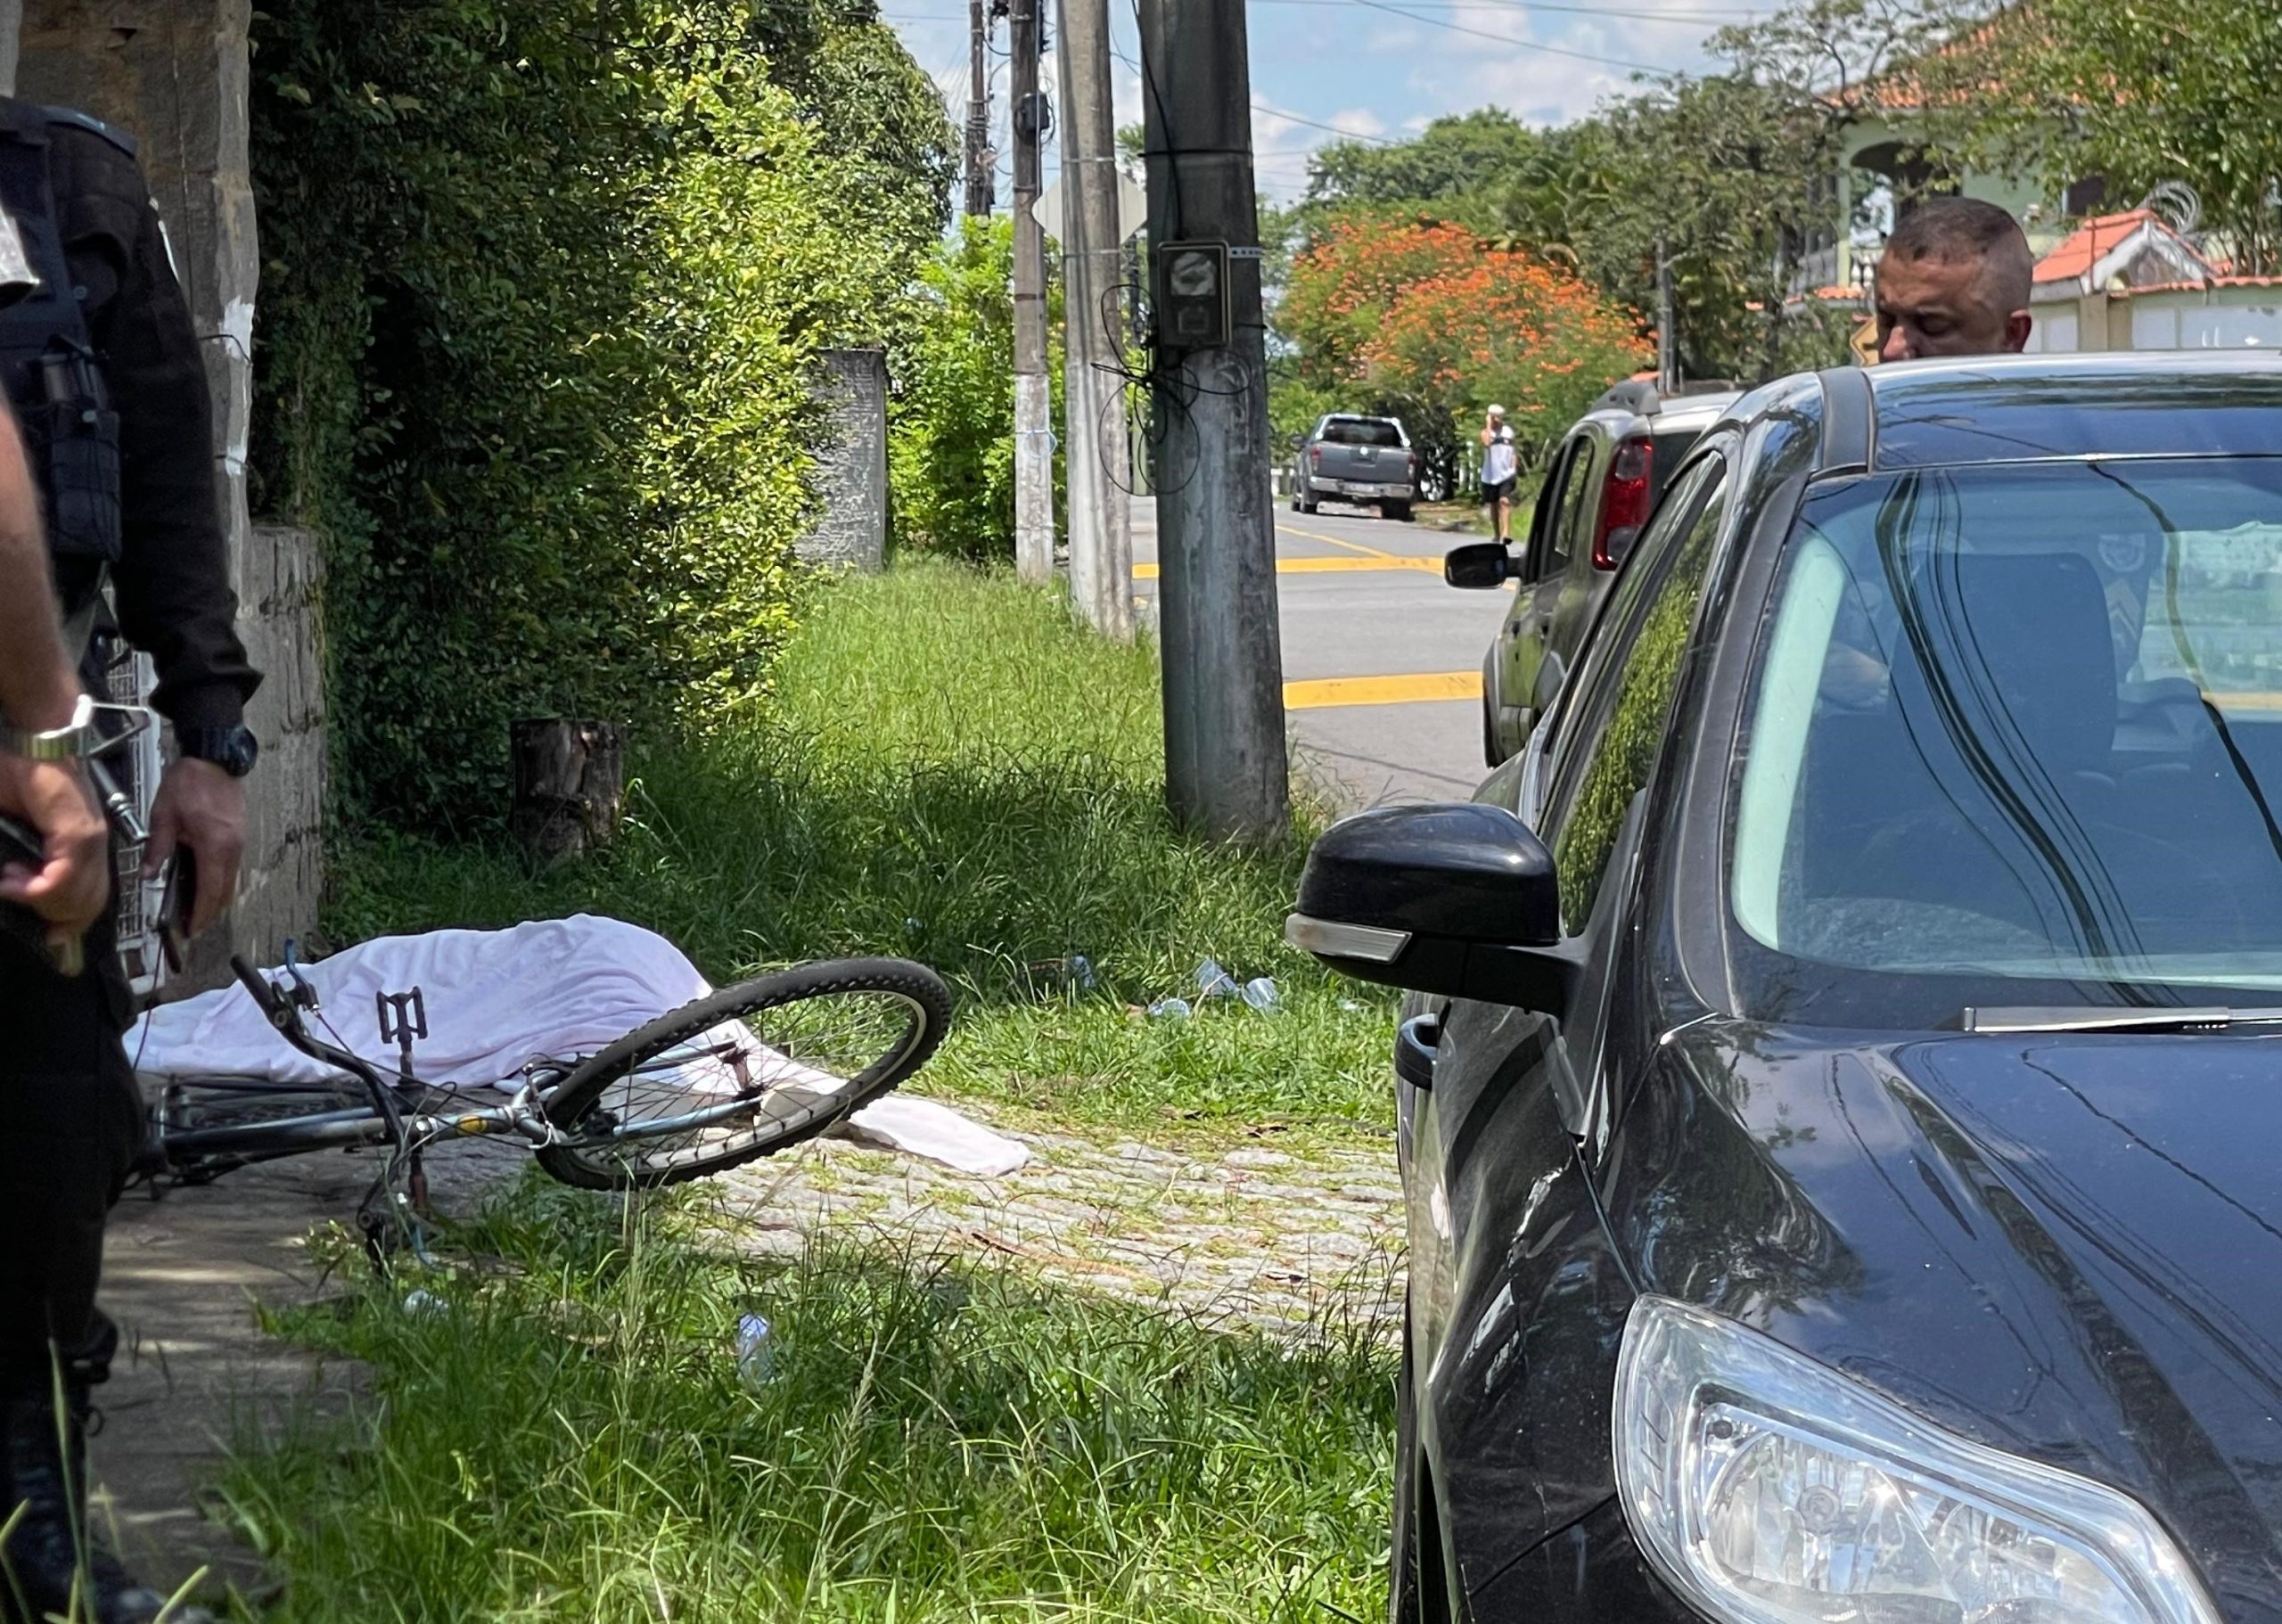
1414, 1042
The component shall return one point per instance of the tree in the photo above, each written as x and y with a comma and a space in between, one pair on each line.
1431, 317
2138, 95
951, 454
1459, 160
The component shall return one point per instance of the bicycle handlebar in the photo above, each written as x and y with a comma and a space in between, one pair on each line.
283, 1010
265, 997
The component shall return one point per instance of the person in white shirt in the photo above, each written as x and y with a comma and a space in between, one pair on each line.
1500, 467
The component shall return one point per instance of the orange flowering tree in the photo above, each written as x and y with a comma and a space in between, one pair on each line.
1428, 314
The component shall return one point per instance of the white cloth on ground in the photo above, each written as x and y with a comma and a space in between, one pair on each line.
496, 1000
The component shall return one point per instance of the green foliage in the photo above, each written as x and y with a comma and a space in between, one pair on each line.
955, 771
1730, 176
1441, 171
545, 280
566, 1438
2138, 95
951, 457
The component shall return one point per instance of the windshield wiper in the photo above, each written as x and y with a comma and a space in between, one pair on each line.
2067, 1018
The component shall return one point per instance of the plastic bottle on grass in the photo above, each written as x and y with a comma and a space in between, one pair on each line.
756, 1345
1261, 993
1170, 1009
1214, 983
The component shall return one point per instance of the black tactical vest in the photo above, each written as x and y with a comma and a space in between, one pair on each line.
49, 368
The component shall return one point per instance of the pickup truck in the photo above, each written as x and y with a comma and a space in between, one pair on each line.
1365, 460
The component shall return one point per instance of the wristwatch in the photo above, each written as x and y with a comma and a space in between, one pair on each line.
233, 749
74, 741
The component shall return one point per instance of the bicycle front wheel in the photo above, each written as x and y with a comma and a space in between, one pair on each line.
746, 1072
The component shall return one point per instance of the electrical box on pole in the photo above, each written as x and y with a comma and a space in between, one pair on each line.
1193, 305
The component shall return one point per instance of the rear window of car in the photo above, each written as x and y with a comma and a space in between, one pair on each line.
1671, 450
1360, 432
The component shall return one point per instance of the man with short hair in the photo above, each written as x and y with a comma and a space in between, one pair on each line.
1953, 281
1500, 471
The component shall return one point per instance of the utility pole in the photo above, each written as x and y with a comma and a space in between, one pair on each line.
1033, 394
980, 158
1100, 530
1227, 774
1667, 339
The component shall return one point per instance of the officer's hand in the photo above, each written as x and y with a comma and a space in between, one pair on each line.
71, 887
202, 807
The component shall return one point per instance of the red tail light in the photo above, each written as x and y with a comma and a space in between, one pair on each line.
1624, 502
1315, 456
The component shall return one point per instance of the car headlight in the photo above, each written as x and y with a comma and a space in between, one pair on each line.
1768, 1488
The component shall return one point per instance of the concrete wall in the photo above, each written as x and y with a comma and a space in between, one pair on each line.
2171, 318
851, 477
174, 74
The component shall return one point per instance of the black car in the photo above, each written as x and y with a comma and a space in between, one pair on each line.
1607, 475
1841, 1110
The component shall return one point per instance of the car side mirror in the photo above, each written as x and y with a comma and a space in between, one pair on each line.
1458, 899
1480, 564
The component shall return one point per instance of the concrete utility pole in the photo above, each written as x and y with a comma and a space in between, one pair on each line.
979, 156
1101, 529
1667, 332
1033, 395
1227, 775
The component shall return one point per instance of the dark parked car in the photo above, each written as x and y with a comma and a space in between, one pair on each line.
1841, 1102
1607, 475
1366, 460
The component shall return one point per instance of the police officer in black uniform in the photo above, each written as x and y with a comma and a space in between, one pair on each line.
102, 368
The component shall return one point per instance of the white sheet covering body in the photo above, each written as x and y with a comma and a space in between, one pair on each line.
496, 1000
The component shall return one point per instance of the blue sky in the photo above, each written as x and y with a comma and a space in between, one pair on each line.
1380, 68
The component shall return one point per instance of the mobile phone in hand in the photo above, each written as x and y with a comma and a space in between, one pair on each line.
175, 907
20, 842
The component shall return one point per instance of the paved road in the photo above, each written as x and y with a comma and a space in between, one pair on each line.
1381, 662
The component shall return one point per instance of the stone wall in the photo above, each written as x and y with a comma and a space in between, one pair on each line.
278, 617
851, 477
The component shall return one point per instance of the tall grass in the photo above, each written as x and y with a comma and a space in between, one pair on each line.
567, 1438
954, 772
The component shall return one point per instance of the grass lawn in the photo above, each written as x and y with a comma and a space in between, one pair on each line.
565, 1436
957, 774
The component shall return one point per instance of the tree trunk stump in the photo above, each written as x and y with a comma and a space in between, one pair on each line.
570, 785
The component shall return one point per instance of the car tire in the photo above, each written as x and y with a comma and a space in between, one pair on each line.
1416, 1591
1306, 506
1491, 754
1400, 511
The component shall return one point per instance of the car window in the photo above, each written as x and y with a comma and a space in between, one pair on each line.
1575, 505
1672, 446
1360, 431
1544, 515
1616, 720
2023, 724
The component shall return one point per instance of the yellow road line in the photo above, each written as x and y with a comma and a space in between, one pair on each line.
1352, 547
1324, 693
1326, 566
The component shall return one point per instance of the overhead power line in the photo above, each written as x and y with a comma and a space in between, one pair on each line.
1508, 39
1313, 124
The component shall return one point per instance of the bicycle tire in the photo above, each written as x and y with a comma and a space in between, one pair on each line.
607, 1149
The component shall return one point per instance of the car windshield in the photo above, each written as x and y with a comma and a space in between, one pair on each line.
2021, 722
1360, 432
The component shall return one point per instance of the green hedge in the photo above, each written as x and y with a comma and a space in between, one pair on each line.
951, 457
543, 283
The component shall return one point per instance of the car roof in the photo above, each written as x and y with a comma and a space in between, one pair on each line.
2020, 408
1679, 413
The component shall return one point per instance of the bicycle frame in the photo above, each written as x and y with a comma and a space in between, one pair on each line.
382, 1124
